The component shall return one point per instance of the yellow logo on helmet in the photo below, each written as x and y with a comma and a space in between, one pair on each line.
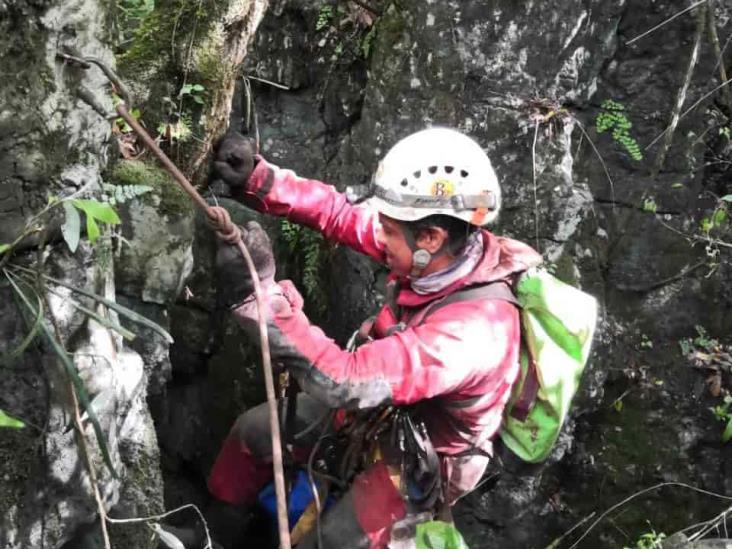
442, 187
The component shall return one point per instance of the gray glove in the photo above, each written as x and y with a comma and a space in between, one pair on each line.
234, 281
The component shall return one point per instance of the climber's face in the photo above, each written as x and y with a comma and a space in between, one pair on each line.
397, 251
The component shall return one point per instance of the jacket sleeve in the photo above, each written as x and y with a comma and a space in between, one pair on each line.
462, 347
314, 204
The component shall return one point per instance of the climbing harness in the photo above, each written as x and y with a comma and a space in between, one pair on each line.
229, 233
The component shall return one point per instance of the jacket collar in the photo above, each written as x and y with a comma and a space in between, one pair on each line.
502, 258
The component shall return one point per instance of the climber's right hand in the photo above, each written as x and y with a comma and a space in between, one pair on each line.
233, 160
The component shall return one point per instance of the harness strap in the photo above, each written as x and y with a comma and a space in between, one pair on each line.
499, 291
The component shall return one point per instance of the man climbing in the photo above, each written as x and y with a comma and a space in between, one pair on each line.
437, 370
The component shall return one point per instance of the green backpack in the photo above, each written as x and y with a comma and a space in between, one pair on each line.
557, 326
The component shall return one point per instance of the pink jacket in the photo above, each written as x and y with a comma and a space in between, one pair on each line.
460, 362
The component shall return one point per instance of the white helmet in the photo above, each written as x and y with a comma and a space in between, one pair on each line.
437, 171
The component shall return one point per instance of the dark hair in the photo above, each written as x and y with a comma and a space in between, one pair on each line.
458, 230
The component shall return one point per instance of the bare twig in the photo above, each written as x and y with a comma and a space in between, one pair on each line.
721, 57
533, 174
620, 398
599, 156
269, 82
701, 19
649, 31
81, 438
664, 282
687, 111
696, 237
714, 38
711, 524
165, 515
642, 492
557, 541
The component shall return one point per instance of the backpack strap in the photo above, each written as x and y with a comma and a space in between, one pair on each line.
500, 291
495, 290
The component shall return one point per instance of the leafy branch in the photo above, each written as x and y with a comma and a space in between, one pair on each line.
95, 212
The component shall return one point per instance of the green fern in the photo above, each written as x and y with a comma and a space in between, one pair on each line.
306, 248
612, 118
325, 16
119, 194
290, 234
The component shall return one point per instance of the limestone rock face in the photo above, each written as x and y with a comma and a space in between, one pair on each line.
54, 142
528, 80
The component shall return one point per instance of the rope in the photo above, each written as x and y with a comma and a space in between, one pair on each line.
220, 220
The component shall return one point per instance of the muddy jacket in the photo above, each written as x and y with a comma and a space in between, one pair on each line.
459, 362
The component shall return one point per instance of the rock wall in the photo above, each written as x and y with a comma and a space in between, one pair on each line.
528, 81
55, 143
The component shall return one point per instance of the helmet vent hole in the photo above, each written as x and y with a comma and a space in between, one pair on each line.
417, 174
449, 169
463, 173
432, 169
404, 183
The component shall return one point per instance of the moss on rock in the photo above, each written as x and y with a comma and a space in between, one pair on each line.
173, 200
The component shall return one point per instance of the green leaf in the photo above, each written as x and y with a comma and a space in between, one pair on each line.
4, 248
7, 358
727, 198
76, 381
438, 535
71, 229
98, 210
719, 217
92, 229
677, 186
10, 422
727, 434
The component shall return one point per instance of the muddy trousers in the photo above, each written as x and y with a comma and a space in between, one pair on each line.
362, 518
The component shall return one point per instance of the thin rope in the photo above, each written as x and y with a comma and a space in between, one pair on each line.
231, 234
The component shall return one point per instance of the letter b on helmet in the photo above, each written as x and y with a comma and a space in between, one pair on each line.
437, 171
